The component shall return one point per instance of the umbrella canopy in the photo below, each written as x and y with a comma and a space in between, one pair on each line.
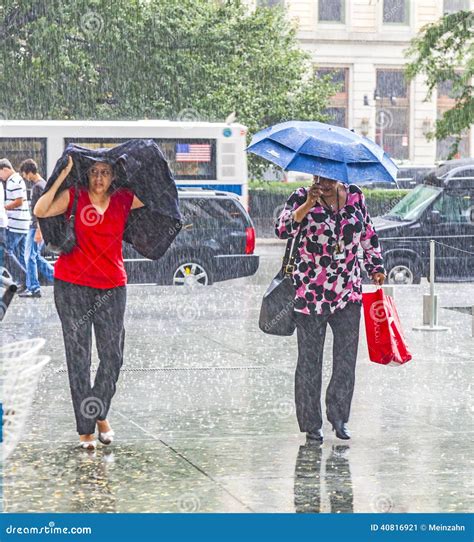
323, 149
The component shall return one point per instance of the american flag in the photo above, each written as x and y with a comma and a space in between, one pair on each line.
193, 152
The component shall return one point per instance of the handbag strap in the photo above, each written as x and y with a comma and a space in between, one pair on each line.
288, 264
72, 216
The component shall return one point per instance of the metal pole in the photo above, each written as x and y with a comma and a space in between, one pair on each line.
432, 279
382, 120
430, 313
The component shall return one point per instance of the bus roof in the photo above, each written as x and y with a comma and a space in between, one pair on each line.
117, 123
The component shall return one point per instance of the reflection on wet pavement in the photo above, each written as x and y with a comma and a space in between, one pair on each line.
310, 470
205, 422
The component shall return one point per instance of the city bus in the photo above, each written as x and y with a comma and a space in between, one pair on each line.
200, 154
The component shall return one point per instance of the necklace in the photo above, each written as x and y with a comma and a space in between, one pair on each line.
332, 205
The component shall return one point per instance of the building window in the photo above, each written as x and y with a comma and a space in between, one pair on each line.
331, 11
338, 103
269, 3
446, 101
451, 6
392, 115
396, 11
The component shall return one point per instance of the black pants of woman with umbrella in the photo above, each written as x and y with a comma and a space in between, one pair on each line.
89, 277
332, 223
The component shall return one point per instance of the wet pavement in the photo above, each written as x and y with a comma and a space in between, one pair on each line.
205, 421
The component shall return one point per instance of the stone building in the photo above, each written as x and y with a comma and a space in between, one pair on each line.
362, 43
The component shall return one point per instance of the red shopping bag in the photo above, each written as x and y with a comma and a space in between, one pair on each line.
383, 329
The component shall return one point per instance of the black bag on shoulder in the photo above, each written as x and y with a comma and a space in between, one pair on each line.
60, 236
276, 312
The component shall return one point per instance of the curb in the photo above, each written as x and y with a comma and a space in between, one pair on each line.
269, 241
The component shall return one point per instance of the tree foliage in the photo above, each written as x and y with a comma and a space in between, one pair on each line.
444, 52
173, 59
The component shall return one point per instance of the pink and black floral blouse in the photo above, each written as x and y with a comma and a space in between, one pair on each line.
326, 282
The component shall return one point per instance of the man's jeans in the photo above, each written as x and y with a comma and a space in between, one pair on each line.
35, 263
15, 255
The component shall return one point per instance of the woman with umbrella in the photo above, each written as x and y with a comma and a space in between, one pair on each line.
333, 225
89, 290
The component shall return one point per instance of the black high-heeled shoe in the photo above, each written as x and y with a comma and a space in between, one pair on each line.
341, 430
315, 436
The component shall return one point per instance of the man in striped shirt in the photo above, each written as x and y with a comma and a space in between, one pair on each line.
16, 206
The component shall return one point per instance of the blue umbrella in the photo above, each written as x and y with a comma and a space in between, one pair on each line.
323, 149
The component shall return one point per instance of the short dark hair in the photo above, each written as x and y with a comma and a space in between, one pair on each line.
5, 163
29, 166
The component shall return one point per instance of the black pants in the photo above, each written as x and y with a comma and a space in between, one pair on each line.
311, 330
80, 308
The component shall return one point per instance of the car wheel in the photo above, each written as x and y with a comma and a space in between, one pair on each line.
403, 271
191, 272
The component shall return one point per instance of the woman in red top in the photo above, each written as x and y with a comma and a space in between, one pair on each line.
90, 292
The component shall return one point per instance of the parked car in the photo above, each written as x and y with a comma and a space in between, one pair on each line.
411, 176
381, 185
442, 209
216, 243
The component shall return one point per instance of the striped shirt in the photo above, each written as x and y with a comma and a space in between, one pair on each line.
18, 218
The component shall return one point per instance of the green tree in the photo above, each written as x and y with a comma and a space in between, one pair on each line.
175, 59
444, 52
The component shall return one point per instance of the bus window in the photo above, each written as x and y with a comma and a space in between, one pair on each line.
189, 159
17, 149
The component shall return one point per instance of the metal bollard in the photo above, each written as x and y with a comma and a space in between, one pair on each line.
430, 311
430, 301
389, 290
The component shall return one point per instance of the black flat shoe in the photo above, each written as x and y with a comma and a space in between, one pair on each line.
341, 430
316, 436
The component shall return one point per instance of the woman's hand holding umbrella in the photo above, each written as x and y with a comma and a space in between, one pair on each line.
49, 204
312, 197
314, 194
65, 172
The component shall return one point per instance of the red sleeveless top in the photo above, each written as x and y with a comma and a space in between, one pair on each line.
96, 260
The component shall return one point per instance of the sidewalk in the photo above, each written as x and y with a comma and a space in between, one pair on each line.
269, 241
204, 414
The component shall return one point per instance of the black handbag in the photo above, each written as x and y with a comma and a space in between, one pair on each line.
276, 312
65, 234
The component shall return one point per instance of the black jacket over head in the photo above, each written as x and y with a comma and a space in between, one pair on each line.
139, 165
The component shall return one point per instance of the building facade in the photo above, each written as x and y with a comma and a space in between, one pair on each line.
361, 44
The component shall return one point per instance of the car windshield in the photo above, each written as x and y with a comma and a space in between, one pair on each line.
414, 203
